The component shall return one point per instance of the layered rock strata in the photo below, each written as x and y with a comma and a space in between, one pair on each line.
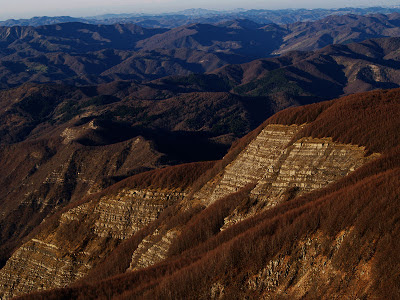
260, 156
280, 166
83, 236
152, 249
120, 219
283, 169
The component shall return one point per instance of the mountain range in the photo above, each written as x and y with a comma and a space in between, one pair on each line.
189, 16
77, 53
291, 211
231, 159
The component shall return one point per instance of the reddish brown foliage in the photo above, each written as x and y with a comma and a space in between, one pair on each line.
247, 246
175, 177
368, 119
299, 115
367, 201
252, 243
209, 222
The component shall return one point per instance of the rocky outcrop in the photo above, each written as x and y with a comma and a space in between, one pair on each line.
82, 237
297, 275
40, 265
120, 219
74, 133
280, 166
251, 165
152, 249
307, 165
283, 168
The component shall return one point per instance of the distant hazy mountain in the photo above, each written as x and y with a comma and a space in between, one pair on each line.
79, 53
250, 92
38, 21
171, 20
341, 29
333, 70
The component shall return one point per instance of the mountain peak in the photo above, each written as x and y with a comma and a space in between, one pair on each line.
239, 24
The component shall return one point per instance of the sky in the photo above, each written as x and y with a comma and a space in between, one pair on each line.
16, 9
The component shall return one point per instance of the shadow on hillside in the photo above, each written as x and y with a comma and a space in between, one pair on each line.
178, 146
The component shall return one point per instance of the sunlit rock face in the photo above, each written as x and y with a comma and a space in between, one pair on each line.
280, 166
82, 237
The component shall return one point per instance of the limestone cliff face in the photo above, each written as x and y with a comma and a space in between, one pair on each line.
80, 239
152, 249
39, 177
280, 166
283, 168
39, 265
120, 219
259, 157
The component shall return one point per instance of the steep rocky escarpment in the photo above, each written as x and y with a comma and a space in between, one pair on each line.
277, 170
121, 219
282, 173
83, 236
277, 165
270, 161
43, 176
282, 162
153, 249
306, 206
72, 243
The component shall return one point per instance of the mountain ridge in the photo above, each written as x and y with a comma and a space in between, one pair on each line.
303, 215
182, 163
170, 20
86, 54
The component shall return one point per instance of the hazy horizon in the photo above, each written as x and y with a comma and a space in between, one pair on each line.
19, 9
